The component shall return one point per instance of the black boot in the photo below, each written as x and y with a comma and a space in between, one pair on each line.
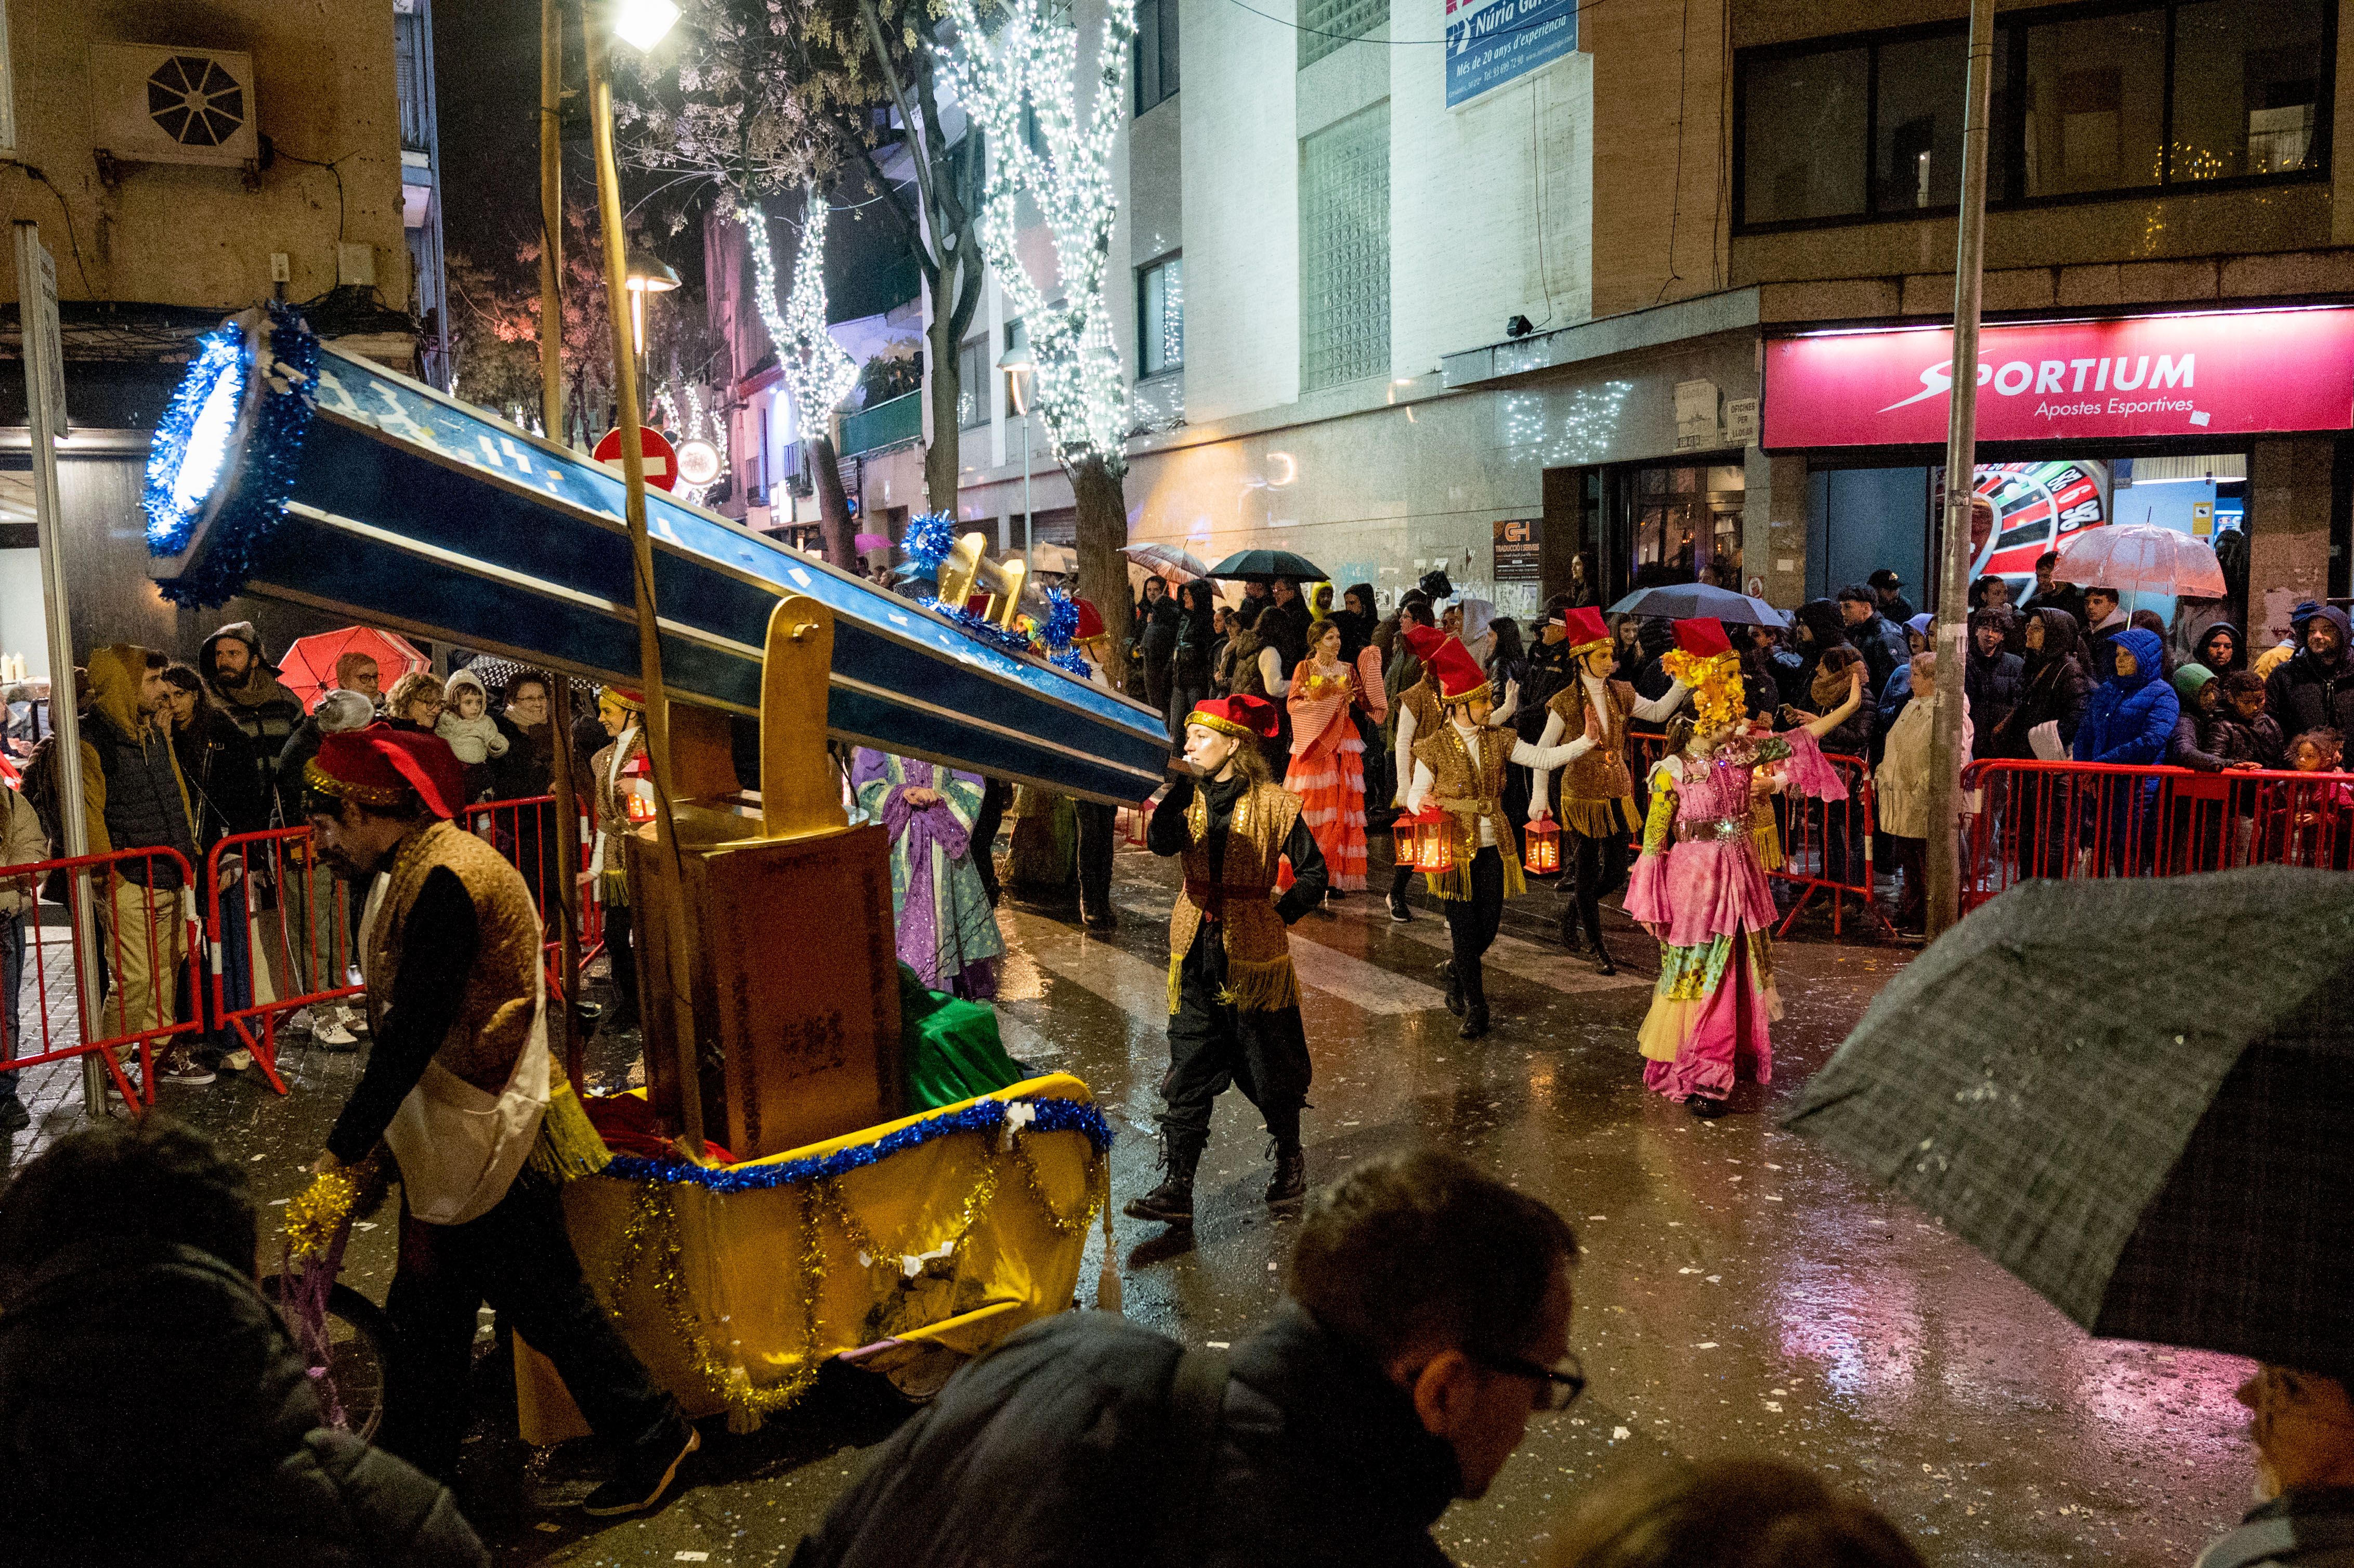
1171, 1202
1570, 939
1475, 1022
1454, 988
1290, 1184
1602, 964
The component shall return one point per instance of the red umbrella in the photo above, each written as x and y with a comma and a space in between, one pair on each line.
309, 666
2141, 558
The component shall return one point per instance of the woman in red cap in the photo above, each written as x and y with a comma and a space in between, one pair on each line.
1459, 767
1234, 1001
1597, 794
475, 1111
1700, 885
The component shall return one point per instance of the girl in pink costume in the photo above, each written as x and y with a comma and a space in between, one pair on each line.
1700, 885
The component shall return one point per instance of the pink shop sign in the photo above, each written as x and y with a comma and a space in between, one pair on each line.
2222, 372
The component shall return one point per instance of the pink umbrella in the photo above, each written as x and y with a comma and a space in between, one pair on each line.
2141, 558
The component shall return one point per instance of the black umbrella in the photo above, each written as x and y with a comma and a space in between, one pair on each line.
2133, 1093
1264, 565
1692, 601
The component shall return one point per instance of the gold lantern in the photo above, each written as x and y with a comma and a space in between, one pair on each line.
1431, 852
1542, 838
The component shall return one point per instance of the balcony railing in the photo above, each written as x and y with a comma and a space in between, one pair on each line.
883, 425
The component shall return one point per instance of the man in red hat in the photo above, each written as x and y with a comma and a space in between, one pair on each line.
1598, 795
1459, 769
1234, 1001
478, 1121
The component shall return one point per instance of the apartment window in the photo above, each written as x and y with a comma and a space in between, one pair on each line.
1345, 251
2086, 103
1016, 336
974, 373
1326, 25
1156, 53
1161, 320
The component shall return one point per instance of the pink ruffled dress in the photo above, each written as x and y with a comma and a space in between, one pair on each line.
1701, 879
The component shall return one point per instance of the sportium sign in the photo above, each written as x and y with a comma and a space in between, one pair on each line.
2228, 372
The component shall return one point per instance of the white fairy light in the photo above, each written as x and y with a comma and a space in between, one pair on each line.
816, 370
1031, 65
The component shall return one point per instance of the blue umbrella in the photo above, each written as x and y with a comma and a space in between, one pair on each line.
1691, 601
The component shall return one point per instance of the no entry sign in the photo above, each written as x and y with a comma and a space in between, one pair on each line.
661, 461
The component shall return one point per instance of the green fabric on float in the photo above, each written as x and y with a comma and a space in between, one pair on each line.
951, 1047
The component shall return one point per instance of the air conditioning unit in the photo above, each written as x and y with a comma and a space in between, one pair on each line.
155, 104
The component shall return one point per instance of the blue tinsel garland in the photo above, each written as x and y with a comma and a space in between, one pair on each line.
981, 1115
1062, 624
928, 540
265, 470
1001, 637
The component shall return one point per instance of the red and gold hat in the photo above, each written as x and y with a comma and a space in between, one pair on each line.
1703, 660
1422, 641
1583, 628
621, 696
1458, 673
381, 766
1704, 636
1245, 717
1091, 622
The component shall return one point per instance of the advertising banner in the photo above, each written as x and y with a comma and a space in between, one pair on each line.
2223, 372
1491, 42
1516, 550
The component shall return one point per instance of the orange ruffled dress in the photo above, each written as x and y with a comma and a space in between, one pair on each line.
1328, 767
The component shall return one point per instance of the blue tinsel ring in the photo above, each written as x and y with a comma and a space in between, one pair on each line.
981, 1115
929, 538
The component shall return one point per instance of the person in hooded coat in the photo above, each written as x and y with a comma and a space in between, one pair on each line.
2221, 648
1993, 677
133, 1344
244, 684
1816, 628
2053, 690
2314, 689
2128, 722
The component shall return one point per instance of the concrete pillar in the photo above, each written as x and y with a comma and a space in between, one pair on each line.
1773, 526
2288, 530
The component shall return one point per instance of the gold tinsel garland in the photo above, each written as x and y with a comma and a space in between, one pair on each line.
1719, 700
652, 1233
316, 1215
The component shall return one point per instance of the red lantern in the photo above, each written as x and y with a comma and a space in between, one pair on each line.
1431, 852
1542, 838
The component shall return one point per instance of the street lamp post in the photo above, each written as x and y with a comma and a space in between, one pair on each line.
645, 274
1019, 369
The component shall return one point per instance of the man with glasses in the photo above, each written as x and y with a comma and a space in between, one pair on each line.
1426, 1320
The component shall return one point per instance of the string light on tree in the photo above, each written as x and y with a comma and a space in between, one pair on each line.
816, 370
1027, 71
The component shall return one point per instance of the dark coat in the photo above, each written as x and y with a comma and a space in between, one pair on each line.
2066, 597
1043, 1453
1994, 687
2052, 689
1156, 637
2304, 693
1881, 642
225, 783
158, 1362
2130, 718
2236, 739
266, 712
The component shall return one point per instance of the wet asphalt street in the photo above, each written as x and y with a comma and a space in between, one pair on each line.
1740, 1292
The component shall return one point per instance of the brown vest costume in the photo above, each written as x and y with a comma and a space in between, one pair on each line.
1466, 795
1259, 977
1595, 793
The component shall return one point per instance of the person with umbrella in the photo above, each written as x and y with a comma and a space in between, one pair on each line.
2302, 1422
1700, 885
1597, 794
1459, 767
1234, 999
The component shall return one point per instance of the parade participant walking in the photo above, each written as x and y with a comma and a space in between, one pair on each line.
1328, 757
1459, 767
1597, 793
1416, 709
1699, 886
463, 1088
947, 931
614, 775
1234, 1001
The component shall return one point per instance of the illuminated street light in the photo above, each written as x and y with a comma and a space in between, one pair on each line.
643, 23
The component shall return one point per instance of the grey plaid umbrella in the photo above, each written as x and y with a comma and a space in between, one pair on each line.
2134, 1094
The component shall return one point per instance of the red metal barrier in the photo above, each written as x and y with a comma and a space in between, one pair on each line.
523, 830
297, 918
134, 924
2074, 820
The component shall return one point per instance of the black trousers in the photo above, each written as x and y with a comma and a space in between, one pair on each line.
519, 1260
1597, 867
1212, 1045
994, 794
1097, 828
621, 958
1471, 923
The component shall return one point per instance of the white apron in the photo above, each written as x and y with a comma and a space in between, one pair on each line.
458, 1148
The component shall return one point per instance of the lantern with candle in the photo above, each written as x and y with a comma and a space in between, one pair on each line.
1543, 839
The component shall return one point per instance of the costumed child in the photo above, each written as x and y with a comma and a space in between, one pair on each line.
1234, 1001
1417, 713
1328, 757
621, 783
947, 931
467, 725
476, 1113
1459, 767
1597, 794
1700, 883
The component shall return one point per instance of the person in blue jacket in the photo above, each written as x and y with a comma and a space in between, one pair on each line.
2128, 720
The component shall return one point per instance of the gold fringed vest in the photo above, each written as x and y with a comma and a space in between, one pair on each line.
1466, 795
1596, 795
1259, 977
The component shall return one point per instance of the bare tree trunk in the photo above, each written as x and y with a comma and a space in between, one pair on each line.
832, 501
1103, 570
940, 459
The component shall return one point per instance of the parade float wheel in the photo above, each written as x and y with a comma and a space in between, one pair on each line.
359, 1336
